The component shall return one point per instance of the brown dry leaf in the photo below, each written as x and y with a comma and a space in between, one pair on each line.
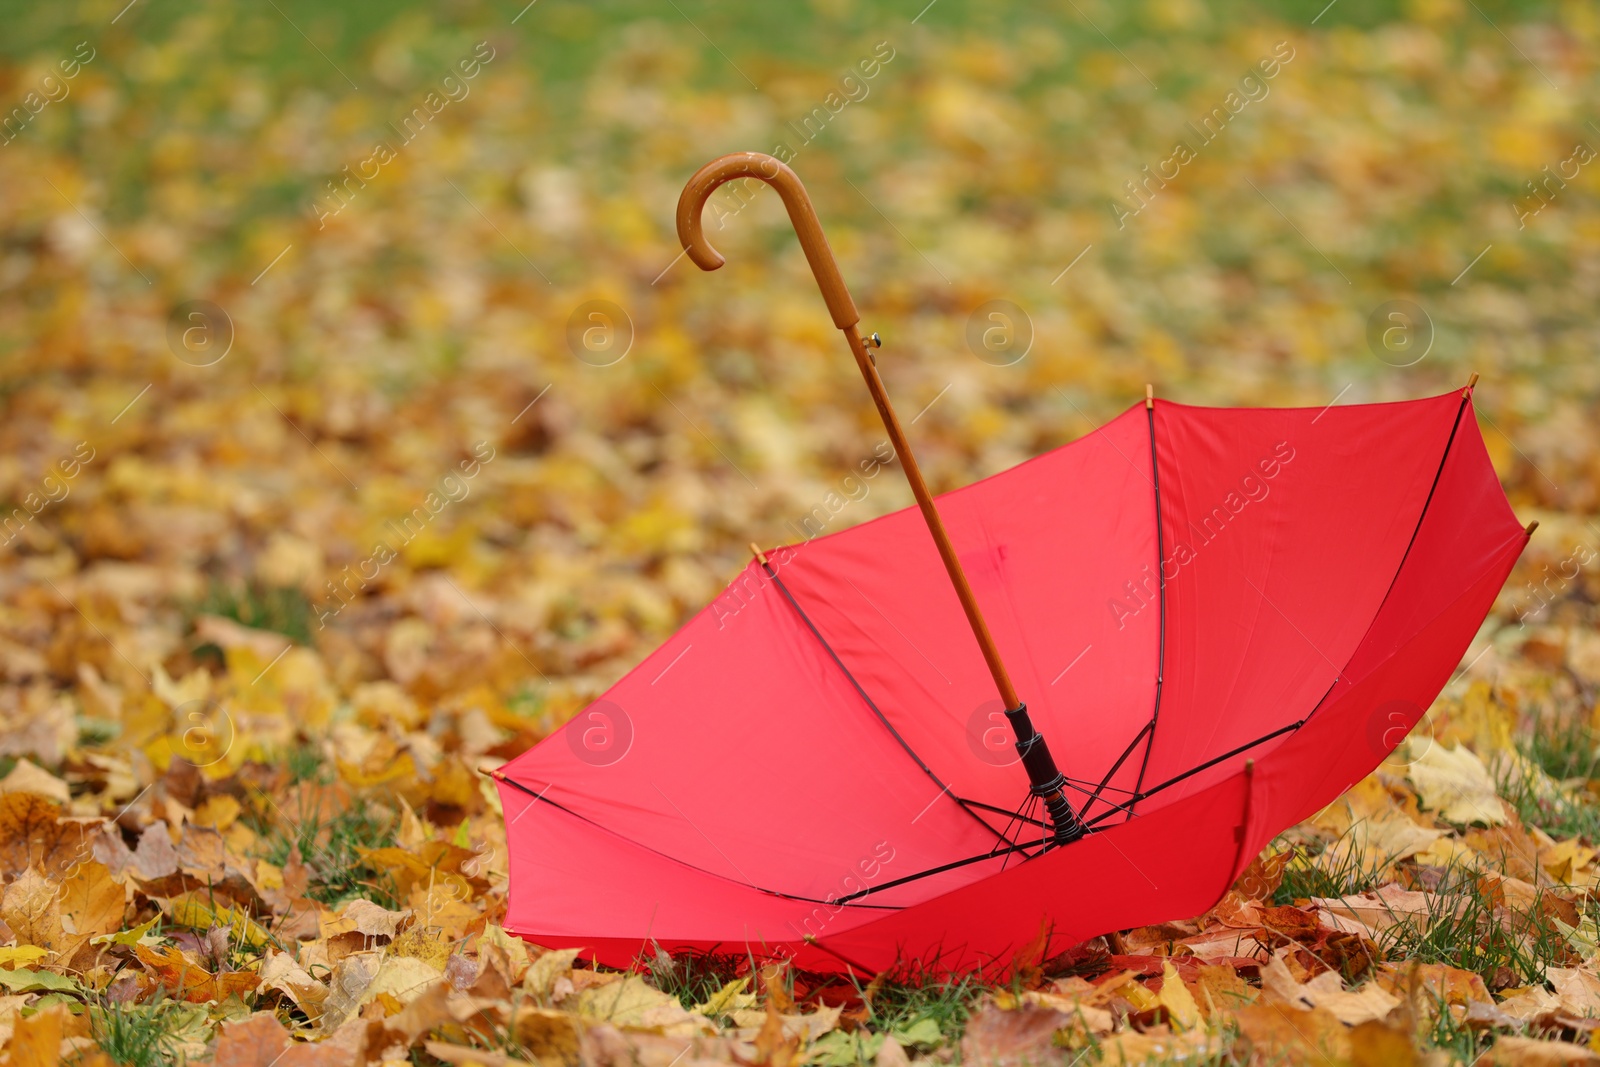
775, 1047
91, 905
260, 1040
347, 988
1157, 1046
29, 777
189, 981
1079, 1005
1262, 878
31, 907
255, 1041
441, 907
1528, 1052
402, 977
217, 812
365, 918
1296, 1036
282, 973
1021, 1038
1577, 989
1528, 1003
551, 1036
1437, 981
466, 1056
1221, 990
891, 1054
1377, 911
1373, 1044
1325, 991
36, 1040
544, 973
1454, 783
632, 1003
435, 863
1372, 846
33, 834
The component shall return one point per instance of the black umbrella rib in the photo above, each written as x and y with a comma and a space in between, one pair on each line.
772, 572
1140, 793
1105, 783
1115, 808
540, 797
1161, 638
1175, 779
931, 871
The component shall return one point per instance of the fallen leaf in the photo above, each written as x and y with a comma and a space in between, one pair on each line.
1528, 1052
1326, 992
36, 1039
633, 1003
1294, 1036
1021, 1038
91, 905
727, 1000
1454, 783
200, 911
25, 981
1182, 1011
29, 777
33, 835
365, 918
189, 981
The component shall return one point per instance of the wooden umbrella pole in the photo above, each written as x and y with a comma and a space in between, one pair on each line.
1046, 781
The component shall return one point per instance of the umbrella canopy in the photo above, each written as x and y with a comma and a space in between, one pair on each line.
1221, 619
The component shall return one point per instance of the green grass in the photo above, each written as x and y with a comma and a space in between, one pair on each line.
1454, 1037
900, 1004
1565, 750
279, 609
137, 1035
1463, 929
331, 848
693, 977
1306, 876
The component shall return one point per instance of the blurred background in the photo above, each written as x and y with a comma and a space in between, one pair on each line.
277, 275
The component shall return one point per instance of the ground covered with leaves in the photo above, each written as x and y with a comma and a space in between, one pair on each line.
244, 815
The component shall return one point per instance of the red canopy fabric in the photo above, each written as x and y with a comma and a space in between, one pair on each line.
815, 766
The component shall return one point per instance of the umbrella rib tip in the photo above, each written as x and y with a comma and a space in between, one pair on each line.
1471, 382
1149, 396
1532, 526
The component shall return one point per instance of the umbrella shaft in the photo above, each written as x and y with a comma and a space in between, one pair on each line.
930, 513
1046, 781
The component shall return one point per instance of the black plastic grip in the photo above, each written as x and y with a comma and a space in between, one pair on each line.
1045, 780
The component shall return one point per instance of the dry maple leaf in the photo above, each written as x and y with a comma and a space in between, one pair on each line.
1528, 1052
33, 834
260, 1040
91, 904
36, 1040
1021, 1038
189, 981
1325, 991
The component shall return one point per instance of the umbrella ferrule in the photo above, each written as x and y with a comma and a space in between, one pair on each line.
1045, 779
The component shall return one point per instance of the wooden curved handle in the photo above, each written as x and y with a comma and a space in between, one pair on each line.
767, 169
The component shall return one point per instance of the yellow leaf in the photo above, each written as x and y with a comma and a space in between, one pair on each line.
23, 954
1177, 999
1454, 783
198, 912
728, 999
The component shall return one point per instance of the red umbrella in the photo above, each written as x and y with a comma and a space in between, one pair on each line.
1220, 619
